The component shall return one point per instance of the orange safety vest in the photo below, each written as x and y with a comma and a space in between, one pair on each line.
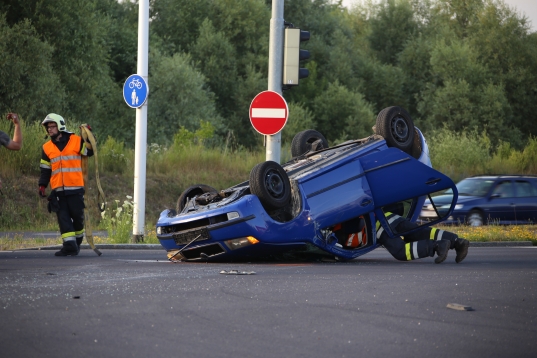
66, 165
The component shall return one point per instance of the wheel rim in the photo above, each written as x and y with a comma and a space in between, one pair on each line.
399, 129
475, 220
274, 184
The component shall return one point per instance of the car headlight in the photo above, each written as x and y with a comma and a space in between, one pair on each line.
241, 242
159, 230
457, 206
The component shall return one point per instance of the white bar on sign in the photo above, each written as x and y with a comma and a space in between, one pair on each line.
268, 112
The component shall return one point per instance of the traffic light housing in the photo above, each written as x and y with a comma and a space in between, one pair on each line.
292, 55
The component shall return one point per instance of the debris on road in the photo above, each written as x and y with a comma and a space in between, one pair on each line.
236, 272
459, 307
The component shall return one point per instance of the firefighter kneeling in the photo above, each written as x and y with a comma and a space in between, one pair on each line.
423, 243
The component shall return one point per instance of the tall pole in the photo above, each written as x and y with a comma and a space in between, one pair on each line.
274, 142
141, 127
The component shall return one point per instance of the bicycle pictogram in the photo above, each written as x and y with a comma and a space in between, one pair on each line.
135, 83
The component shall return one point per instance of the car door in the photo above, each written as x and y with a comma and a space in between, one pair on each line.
394, 176
526, 201
501, 204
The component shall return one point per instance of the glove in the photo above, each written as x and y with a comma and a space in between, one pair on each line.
42, 191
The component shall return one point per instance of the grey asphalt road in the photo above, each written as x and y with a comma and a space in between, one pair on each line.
134, 303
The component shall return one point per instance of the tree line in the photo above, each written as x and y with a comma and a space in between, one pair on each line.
459, 65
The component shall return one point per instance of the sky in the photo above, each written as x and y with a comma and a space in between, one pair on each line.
528, 7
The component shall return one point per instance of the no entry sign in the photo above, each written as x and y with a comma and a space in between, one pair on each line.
268, 112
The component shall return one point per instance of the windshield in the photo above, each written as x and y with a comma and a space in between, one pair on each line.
472, 187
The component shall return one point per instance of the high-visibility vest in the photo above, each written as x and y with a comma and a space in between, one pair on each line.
66, 165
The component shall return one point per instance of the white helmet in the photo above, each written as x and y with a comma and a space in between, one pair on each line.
56, 118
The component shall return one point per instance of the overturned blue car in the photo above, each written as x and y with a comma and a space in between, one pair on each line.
296, 208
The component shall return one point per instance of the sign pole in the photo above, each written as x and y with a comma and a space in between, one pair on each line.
274, 142
140, 152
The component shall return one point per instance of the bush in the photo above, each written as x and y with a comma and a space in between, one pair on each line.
460, 155
113, 157
26, 160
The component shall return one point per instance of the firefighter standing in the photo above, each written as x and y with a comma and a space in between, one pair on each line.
61, 166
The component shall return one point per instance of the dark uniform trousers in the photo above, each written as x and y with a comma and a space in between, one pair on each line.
71, 215
416, 245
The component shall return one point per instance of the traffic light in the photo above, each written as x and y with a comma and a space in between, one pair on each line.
292, 55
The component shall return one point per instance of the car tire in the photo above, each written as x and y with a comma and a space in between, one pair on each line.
270, 183
306, 141
191, 192
397, 128
475, 218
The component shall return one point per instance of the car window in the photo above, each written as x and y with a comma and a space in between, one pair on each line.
401, 208
504, 189
473, 187
524, 189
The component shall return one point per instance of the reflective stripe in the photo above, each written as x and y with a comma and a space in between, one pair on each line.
431, 234
44, 166
379, 232
390, 221
415, 249
68, 188
407, 252
440, 233
68, 236
66, 170
84, 150
79, 233
71, 157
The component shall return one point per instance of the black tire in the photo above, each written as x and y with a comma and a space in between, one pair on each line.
191, 192
306, 141
397, 128
475, 218
270, 183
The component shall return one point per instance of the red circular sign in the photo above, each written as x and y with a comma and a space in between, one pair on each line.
268, 112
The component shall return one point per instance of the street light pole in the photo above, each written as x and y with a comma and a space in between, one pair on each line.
140, 151
273, 149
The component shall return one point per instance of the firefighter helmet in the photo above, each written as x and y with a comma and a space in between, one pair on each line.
56, 118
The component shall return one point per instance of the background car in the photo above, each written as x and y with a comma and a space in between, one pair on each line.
297, 207
488, 199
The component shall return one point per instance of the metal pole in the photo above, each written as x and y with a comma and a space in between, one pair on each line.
141, 127
275, 71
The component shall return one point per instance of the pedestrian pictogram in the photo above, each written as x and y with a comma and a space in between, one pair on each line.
135, 91
268, 112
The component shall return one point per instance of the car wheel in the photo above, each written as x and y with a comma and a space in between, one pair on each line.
270, 183
475, 218
306, 141
191, 192
397, 128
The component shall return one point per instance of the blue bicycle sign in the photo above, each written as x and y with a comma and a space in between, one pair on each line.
135, 91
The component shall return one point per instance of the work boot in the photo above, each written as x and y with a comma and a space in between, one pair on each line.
461, 248
79, 242
441, 249
70, 248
